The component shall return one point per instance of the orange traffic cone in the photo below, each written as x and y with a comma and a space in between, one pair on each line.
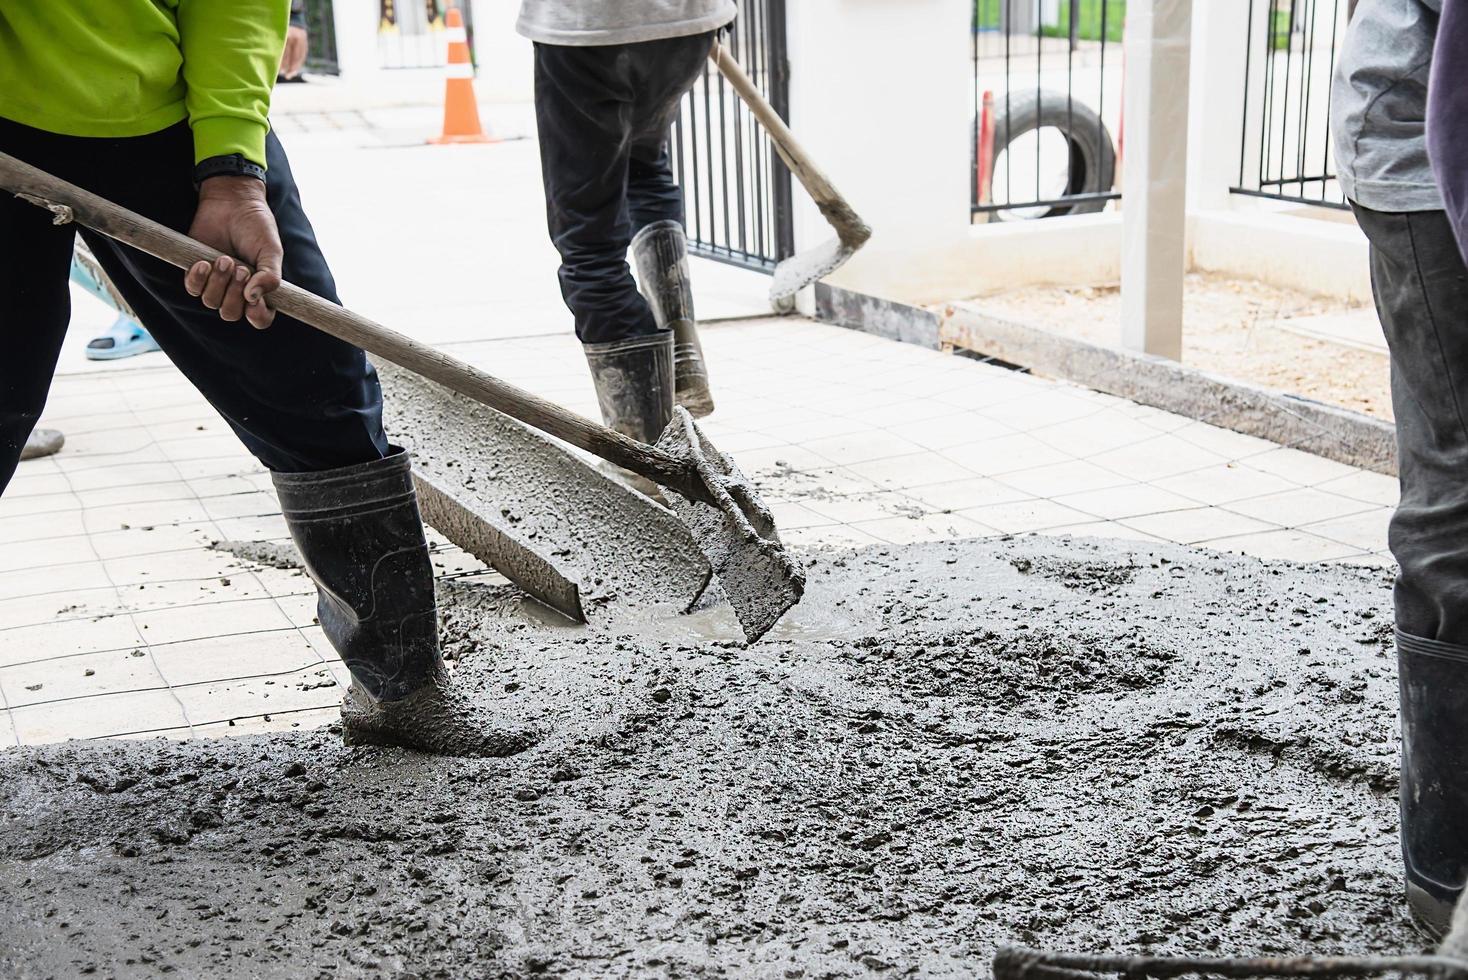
460, 110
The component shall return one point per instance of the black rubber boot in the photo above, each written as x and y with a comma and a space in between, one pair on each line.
634, 384
1433, 677
634, 387
358, 531
661, 253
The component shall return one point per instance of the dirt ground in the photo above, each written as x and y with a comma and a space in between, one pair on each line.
947, 747
1229, 328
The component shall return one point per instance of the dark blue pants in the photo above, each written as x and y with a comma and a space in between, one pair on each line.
603, 115
298, 399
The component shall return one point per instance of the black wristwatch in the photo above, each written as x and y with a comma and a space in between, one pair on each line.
229, 165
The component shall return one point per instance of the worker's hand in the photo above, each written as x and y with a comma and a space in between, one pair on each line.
234, 218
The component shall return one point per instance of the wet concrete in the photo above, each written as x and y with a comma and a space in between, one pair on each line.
944, 748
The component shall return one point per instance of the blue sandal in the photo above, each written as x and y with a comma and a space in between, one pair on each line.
125, 338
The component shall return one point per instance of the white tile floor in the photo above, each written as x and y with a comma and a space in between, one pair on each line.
117, 619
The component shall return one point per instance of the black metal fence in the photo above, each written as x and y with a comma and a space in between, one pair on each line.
1047, 98
735, 186
1285, 148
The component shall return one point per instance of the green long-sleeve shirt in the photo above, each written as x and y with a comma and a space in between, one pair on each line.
132, 67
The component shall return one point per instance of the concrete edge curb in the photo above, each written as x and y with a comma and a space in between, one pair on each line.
1289, 420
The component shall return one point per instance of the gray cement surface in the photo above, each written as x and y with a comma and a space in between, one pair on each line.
946, 747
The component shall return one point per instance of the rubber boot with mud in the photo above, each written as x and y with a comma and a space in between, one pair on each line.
361, 539
634, 387
661, 253
1433, 677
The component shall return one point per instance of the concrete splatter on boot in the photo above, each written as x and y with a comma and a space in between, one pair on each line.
661, 253
361, 538
438, 718
634, 387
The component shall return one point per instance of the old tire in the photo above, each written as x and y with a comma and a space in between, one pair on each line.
1092, 163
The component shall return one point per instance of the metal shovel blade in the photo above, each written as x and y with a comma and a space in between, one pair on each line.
812, 265
736, 533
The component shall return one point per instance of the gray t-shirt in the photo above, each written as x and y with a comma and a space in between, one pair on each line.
598, 22
1378, 106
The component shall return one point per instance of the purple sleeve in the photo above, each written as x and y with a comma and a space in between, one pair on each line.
1447, 115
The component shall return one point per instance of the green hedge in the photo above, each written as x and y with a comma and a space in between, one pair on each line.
989, 16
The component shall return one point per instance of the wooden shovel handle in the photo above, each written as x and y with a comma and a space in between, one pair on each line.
70, 202
853, 231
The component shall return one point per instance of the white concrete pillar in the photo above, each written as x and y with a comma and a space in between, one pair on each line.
356, 36
1216, 100
882, 97
1154, 181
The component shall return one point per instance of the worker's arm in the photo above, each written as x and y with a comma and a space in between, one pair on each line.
231, 50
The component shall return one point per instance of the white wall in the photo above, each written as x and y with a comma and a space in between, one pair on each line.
881, 96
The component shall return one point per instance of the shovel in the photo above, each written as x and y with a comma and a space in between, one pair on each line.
799, 271
720, 507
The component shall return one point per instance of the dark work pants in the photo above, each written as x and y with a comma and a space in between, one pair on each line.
603, 115
1421, 287
298, 399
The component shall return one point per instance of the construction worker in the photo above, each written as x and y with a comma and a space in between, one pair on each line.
160, 106
1420, 283
608, 80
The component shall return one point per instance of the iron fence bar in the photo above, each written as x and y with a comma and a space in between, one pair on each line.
1293, 199
1055, 202
1248, 75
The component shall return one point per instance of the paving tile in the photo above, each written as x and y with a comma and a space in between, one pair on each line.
855, 508
1287, 544
217, 619
65, 638
311, 687
222, 658
1366, 531
41, 527
1224, 483
196, 563
790, 516
74, 464
832, 536
1224, 442
929, 527
1292, 508
97, 717
15, 505
1024, 516
1298, 467
151, 513
52, 581
1039, 409
1005, 454
1196, 525
122, 475
859, 447
955, 428
975, 491
37, 554
1373, 488
70, 604
253, 504
906, 472
265, 724
270, 527
1131, 500
149, 539
73, 677
1107, 529
1093, 433
1156, 458
1071, 476
8, 737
